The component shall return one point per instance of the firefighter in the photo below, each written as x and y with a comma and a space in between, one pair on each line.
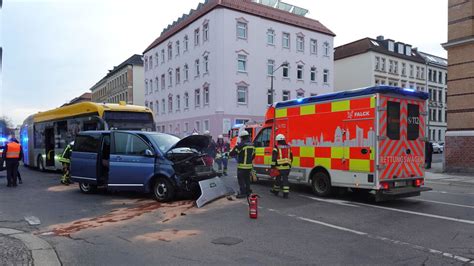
65, 159
222, 156
12, 156
281, 161
245, 153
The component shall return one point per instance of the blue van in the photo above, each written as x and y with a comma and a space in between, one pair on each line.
139, 161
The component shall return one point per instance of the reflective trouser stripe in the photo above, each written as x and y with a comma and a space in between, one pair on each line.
286, 189
244, 166
276, 188
283, 167
13, 155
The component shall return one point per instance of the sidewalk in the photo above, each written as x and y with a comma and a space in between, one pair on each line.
21, 248
436, 174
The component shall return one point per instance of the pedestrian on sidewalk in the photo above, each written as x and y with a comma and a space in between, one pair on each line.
428, 154
222, 156
12, 156
281, 162
245, 153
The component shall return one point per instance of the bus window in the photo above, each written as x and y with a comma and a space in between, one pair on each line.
129, 120
393, 120
413, 121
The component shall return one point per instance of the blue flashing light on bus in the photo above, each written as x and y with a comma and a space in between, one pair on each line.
2, 139
408, 89
299, 100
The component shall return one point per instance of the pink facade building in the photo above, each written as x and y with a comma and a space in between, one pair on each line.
212, 68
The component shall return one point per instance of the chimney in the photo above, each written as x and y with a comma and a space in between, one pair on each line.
380, 38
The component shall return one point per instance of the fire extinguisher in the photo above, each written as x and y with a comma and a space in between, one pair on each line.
253, 206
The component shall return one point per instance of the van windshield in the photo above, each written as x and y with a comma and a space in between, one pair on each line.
163, 141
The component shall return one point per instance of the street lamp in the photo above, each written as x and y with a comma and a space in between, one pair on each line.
284, 64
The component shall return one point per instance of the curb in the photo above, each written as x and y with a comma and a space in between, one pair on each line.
41, 251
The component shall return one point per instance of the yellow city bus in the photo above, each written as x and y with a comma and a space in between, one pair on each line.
44, 135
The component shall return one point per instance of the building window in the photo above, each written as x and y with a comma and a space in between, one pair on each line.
395, 67
242, 63
377, 63
186, 127
163, 108
411, 71
198, 126
177, 48
157, 84
390, 66
162, 56
151, 86
196, 37
197, 97
326, 76
326, 48
178, 103
206, 64
156, 59
440, 77
285, 96
170, 78
178, 75
146, 64
151, 106
404, 70
286, 71
170, 104
163, 82
299, 94
417, 72
286, 40
157, 109
271, 37
206, 95
241, 30
186, 72
313, 46
270, 67
383, 65
422, 74
151, 62
313, 74
299, 72
242, 95
196, 68
206, 125
186, 43
205, 32
170, 51
300, 44
186, 100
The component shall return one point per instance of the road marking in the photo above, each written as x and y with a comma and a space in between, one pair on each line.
420, 214
452, 193
446, 203
391, 241
334, 201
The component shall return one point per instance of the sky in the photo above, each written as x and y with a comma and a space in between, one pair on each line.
55, 50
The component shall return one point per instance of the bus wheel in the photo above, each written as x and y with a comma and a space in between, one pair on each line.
87, 188
163, 190
321, 184
40, 164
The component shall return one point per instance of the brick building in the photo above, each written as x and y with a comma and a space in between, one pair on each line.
460, 46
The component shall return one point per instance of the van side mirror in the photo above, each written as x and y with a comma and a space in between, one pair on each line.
149, 153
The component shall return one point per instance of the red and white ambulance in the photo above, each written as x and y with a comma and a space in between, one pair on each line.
369, 139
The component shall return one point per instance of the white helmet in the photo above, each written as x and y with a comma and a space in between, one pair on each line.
280, 137
207, 133
220, 137
243, 133
195, 133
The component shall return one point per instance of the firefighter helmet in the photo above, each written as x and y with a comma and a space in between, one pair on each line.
243, 133
280, 137
207, 133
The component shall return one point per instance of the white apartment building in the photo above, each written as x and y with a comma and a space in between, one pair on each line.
124, 82
212, 68
380, 61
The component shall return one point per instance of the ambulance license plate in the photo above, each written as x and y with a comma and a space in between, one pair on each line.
400, 184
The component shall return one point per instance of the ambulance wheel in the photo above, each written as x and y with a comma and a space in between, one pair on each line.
163, 190
87, 188
321, 184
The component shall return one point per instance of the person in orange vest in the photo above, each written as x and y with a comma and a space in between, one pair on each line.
281, 161
12, 156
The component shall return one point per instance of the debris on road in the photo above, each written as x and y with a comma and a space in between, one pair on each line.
33, 220
166, 235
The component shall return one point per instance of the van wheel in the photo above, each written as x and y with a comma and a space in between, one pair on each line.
321, 184
40, 164
87, 188
163, 190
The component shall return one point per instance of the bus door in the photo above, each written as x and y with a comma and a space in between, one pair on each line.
49, 146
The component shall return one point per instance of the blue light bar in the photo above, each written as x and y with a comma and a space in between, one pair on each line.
408, 89
3, 139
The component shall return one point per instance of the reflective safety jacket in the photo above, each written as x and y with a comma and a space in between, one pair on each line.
66, 156
12, 151
245, 153
282, 157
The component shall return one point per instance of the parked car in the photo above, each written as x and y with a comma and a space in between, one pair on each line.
438, 148
141, 161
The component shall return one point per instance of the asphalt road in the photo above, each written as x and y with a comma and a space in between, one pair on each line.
129, 229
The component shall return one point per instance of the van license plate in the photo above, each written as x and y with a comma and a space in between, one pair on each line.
400, 183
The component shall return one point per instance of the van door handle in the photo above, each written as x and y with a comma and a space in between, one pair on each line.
364, 151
